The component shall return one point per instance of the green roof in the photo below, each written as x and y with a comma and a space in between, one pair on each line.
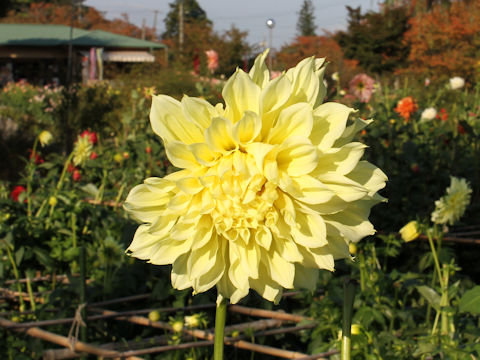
56, 35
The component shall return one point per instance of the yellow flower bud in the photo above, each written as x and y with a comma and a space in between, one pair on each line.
52, 201
352, 248
45, 137
153, 316
177, 326
118, 158
410, 231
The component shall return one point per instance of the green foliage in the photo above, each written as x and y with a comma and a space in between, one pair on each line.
192, 12
398, 297
375, 39
306, 19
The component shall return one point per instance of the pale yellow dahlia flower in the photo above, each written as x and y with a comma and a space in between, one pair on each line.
81, 150
451, 207
271, 188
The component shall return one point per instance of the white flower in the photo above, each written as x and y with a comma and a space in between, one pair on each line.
457, 83
451, 207
428, 114
335, 76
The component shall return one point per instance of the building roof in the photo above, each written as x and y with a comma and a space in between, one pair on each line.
57, 35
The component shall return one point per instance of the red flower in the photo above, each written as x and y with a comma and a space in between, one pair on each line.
461, 129
93, 155
406, 107
17, 190
71, 168
443, 115
36, 157
148, 150
91, 135
76, 176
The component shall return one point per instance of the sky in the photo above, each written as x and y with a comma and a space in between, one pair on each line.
246, 15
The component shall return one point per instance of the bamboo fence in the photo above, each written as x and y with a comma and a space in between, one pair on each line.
269, 323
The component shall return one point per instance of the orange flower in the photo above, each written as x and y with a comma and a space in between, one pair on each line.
406, 107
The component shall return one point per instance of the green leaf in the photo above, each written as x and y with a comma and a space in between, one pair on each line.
431, 295
43, 257
19, 255
470, 301
90, 189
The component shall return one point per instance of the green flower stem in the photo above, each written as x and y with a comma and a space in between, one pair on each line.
349, 295
30, 292
444, 303
17, 277
220, 317
31, 171
82, 261
59, 186
435, 259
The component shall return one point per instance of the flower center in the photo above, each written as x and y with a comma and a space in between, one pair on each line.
243, 197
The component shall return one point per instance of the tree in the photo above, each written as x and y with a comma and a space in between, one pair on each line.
192, 12
306, 19
445, 41
376, 39
85, 17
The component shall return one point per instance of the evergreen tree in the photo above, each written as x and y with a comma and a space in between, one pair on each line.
306, 19
192, 12
376, 39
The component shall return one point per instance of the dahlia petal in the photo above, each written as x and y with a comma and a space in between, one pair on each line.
247, 129
179, 276
297, 156
340, 160
203, 258
212, 276
305, 83
309, 190
345, 188
266, 287
329, 121
259, 72
305, 278
280, 270
260, 151
275, 95
352, 223
166, 252
198, 111
311, 230
180, 155
143, 242
295, 120
369, 176
168, 121
190, 185
263, 237
350, 131
203, 154
145, 205
219, 135
287, 249
320, 258
240, 94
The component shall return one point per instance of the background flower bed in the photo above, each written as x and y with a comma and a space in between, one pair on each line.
44, 235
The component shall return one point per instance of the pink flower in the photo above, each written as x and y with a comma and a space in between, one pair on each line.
212, 60
362, 86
